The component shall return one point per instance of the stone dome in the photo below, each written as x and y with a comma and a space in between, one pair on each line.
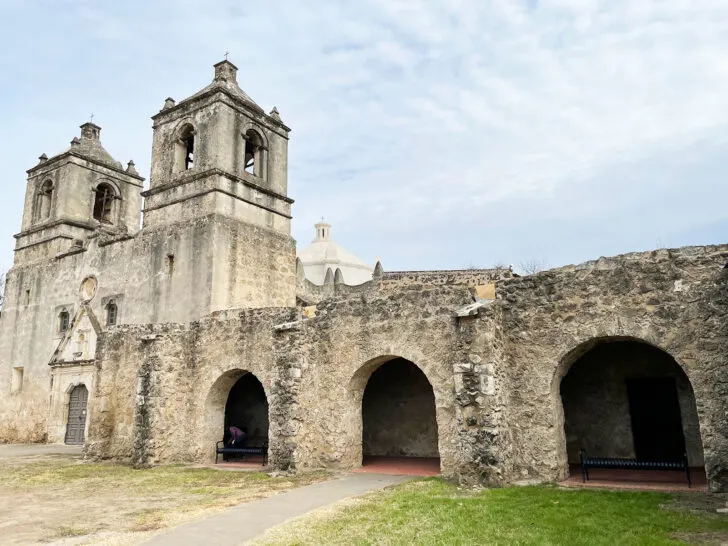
323, 253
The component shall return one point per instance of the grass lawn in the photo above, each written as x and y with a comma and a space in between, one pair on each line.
52, 498
435, 512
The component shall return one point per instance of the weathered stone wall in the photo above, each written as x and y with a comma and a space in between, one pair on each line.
171, 374
311, 293
349, 338
112, 404
481, 282
676, 300
480, 380
176, 273
496, 373
314, 372
252, 267
467, 277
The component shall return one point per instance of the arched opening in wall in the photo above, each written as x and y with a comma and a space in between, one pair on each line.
399, 422
254, 153
64, 319
237, 402
104, 203
184, 149
112, 312
247, 410
626, 399
76, 423
44, 200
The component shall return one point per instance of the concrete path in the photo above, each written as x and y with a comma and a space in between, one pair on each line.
10, 451
247, 521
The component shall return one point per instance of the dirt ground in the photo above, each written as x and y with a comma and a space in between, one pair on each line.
60, 499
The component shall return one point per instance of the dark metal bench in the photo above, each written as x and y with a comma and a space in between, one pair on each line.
222, 449
631, 464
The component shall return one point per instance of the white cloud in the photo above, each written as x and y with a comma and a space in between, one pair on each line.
404, 113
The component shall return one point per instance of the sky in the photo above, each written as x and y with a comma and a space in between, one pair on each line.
432, 135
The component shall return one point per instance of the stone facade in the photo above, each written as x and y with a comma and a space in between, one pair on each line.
215, 236
503, 377
675, 300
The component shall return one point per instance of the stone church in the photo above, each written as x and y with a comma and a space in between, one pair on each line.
142, 322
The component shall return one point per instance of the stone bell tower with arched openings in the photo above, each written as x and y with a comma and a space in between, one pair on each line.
220, 166
74, 195
219, 152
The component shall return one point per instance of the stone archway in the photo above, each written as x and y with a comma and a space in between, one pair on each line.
247, 409
623, 397
397, 414
237, 398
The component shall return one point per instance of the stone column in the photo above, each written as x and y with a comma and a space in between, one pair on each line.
479, 419
283, 405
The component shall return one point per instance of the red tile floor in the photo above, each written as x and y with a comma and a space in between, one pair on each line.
652, 480
252, 462
646, 480
402, 466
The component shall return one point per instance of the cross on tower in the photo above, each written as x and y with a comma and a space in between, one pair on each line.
91, 118
226, 55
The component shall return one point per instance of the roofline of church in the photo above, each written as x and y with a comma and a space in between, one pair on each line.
235, 98
69, 153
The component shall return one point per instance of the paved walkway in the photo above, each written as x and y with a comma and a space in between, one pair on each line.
10, 451
247, 521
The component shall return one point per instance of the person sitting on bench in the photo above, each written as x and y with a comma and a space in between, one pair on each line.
238, 436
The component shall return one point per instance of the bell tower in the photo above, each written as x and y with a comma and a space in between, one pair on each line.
75, 194
219, 179
218, 152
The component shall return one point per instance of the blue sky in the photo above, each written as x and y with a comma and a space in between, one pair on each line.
438, 134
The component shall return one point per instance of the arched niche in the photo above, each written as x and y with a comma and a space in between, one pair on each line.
624, 397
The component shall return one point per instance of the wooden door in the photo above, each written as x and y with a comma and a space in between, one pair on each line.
76, 426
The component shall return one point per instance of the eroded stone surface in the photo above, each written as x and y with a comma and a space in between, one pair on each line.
209, 289
495, 376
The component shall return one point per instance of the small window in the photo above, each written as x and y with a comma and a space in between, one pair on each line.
16, 384
104, 203
112, 312
170, 264
43, 201
184, 155
64, 320
254, 153
27, 297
